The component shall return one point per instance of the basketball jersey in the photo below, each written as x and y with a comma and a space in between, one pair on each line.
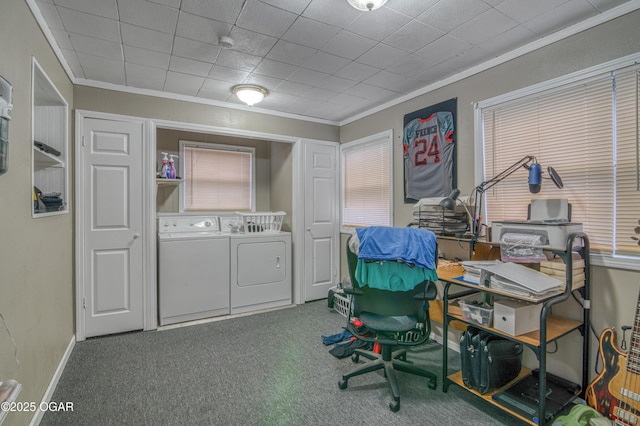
428, 150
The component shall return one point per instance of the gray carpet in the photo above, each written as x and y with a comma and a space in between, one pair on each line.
264, 369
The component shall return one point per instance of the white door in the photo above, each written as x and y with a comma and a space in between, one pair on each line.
110, 213
321, 221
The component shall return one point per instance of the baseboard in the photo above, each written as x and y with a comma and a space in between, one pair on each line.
452, 345
46, 398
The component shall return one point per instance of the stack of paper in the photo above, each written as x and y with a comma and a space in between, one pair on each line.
521, 281
472, 269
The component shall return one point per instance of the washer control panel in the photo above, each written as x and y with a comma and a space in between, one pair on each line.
188, 224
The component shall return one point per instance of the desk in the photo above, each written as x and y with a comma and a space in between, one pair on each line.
551, 327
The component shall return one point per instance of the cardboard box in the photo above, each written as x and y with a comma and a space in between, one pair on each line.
515, 318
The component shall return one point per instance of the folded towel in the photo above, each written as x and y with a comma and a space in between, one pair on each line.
392, 276
411, 245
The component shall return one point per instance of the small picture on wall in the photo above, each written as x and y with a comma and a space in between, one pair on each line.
428, 147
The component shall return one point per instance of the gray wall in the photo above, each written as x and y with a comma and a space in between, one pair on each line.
36, 258
614, 291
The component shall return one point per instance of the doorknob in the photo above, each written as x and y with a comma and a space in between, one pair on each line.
136, 235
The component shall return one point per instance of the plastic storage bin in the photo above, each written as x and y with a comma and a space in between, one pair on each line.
480, 314
261, 221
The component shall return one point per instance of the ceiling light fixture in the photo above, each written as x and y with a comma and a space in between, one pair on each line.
225, 42
250, 94
365, 5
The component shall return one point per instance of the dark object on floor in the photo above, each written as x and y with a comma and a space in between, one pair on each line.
488, 361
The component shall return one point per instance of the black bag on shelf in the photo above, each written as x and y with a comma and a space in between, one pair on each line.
488, 361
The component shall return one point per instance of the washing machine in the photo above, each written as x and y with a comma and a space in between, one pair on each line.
260, 271
193, 268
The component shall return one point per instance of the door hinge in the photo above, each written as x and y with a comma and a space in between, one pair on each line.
84, 303
83, 141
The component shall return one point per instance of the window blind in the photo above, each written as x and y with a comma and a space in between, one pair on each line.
366, 182
587, 132
217, 179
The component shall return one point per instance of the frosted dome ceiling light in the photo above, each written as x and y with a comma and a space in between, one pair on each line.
365, 5
249, 94
225, 42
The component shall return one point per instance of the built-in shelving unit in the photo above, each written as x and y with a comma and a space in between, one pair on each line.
50, 147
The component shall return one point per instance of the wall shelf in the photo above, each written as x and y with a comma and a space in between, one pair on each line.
43, 160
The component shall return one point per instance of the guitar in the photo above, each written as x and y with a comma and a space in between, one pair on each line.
615, 393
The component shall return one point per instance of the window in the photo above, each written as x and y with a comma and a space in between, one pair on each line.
366, 181
217, 177
587, 130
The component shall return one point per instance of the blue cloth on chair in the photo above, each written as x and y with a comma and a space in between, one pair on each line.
411, 245
391, 275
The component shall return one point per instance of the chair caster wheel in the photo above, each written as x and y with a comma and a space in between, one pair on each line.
355, 357
433, 384
394, 406
342, 384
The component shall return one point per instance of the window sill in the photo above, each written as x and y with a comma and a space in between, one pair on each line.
629, 263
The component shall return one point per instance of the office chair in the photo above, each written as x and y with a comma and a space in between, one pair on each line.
389, 317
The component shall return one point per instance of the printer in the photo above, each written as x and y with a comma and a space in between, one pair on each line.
548, 220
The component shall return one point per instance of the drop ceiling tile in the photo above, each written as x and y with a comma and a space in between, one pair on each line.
102, 69
189, 66
148, 15
484, 26
219, 86
320, 94
216, 96
201, 29
412, 8
338, 13
295, 6
410, 66
144, 77
90, 25
337, 84
413, 36
50, 13
274, 69
290, 53
507, 41
224, 11
237, 60
73, 62
569, 13
262, 80
357, 71
443, 48
603, 5
104, 8
291, 88
277, 99
379, 25
136, 55
523, 11
346, 100
146, 38
183, 83
308, 32
305, 76
450, 14
265, 19
197, 50
228, 74
171, 3
325, 62
251, 42
302, 105
62, 38
45, 1
382, 56
387, 80
368, 91
96, 47
348, 45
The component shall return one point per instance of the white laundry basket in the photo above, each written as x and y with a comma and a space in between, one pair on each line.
261, 221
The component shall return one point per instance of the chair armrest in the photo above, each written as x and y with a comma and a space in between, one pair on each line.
348, 287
